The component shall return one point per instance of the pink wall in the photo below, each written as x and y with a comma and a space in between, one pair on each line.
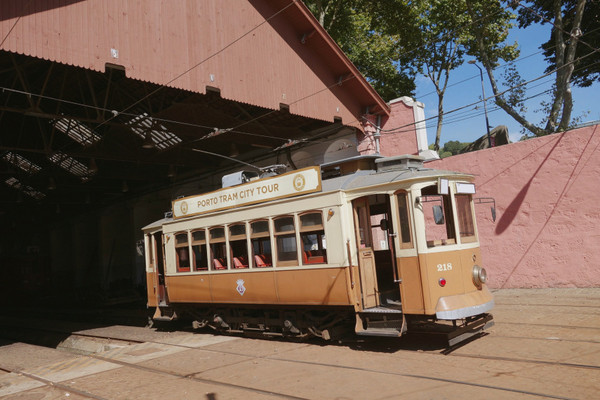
547, 191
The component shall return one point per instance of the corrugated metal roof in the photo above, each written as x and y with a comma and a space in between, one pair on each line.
232, 45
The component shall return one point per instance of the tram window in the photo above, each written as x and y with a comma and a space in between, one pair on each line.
405, 225
312, 235
362, 216
182, 252
200, 261
238, 245
464, 210
218, 249
285, 239
261, 244
379, 235
437, 234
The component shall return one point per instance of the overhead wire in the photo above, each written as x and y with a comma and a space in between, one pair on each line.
501, 93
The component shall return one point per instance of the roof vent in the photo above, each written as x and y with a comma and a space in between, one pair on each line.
349, 165
272, 170
399, 163
237, 178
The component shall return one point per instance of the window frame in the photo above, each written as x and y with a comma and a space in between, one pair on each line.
411, 243
261, 235
319, 230
286, 234
200, 242
471, 213
224, 261
237, 238
448, 207
178, 246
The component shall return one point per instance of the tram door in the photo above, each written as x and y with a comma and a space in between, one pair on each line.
377, 261
366, 258
158, 251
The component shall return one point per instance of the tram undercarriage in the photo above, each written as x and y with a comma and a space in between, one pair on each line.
327, 323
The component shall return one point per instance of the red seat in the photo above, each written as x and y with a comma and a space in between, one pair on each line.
218, 263
239, 264
260, 261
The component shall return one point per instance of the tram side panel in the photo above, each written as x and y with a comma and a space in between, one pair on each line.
318, 286
322, 284
411, 287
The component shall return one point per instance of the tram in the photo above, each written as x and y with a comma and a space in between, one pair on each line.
379, 245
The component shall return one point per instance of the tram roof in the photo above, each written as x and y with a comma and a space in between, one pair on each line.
357, 180
367, 178
157, 225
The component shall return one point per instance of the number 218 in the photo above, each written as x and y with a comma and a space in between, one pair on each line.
444, 267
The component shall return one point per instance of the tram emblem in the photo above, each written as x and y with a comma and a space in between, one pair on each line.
240, 287
184, 207
299, 182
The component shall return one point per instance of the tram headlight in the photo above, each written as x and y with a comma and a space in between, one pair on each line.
479, 275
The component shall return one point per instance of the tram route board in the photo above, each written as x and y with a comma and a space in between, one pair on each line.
295, 183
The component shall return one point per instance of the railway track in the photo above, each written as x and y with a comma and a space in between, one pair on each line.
57, 385
280, 358
71, 389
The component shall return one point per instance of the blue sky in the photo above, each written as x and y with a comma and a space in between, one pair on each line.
469, 124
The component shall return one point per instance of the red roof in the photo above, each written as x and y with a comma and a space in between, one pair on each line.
252, 51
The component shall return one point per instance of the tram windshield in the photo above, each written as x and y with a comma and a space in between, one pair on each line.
440, 226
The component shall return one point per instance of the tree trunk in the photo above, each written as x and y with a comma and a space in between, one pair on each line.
440, 121
490, 73
570, 66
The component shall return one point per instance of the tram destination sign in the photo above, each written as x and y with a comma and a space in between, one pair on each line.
295, 183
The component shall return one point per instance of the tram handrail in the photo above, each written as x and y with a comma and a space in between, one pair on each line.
350, 263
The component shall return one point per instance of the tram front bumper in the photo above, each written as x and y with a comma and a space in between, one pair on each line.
464, 305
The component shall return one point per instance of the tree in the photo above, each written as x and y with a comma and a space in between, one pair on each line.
357, 28
441, 36
587, 59
561, 105
441, 24
451, 148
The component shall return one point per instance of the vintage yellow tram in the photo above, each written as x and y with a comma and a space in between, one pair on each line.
381, 245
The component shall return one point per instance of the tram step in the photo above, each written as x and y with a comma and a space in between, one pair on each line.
381, 310
164, 314
389, 332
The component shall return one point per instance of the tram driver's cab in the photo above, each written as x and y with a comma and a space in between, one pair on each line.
418, 248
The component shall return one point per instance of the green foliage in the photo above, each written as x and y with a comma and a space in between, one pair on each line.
454, 147
450, 148
587, 66
442, 34
357, 28
567, 18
